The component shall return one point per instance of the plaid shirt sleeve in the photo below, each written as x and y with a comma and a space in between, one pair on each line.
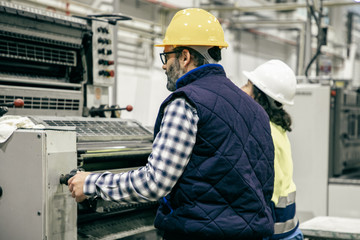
171, 151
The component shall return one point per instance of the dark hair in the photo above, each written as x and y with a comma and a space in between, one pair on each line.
278, 116
199, 60
215, 53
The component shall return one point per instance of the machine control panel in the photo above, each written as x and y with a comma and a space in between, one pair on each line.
103, 53
345, 132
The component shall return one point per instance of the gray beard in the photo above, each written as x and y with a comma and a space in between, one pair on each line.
173, 74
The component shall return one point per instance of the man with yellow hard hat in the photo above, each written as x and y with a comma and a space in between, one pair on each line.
211, 165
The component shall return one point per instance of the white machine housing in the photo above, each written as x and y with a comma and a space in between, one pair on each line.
310, 148
318, 193
34, 205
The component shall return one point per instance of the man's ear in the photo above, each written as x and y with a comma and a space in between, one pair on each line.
186, 57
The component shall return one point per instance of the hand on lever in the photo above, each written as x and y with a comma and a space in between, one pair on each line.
76, 185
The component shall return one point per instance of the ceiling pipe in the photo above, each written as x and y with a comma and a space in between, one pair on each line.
275, 7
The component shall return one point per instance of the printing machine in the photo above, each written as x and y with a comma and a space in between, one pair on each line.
326, 150
62, 68
344, 162
345, 133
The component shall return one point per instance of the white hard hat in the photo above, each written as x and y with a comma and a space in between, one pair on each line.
276, 79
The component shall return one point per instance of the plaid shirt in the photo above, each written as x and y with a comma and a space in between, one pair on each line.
171, 151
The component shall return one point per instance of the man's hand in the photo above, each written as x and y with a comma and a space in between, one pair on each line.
76, 184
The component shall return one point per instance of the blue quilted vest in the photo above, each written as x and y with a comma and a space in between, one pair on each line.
226, 188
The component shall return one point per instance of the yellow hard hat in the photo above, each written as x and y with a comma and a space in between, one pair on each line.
194, 27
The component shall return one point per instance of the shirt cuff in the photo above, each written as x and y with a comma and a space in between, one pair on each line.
89, 185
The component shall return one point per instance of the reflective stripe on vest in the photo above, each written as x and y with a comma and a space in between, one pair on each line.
286, 201
287, 226
283, 227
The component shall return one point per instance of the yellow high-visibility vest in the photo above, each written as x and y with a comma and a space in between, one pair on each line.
283, 164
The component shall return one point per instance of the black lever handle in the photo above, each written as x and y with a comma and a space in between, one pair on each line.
65, 178
3, 110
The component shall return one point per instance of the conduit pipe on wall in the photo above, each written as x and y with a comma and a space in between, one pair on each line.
76, 8
67, 7
295, 25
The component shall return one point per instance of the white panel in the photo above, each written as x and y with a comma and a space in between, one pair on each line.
61, 208
33, 204
310, 148
344, 200
22, 213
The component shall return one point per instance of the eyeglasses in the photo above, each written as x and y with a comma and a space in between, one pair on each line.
164, 58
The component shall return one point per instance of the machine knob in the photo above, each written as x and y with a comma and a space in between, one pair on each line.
105, 62
17, 103
107, 73
101, 51
103, 30
104, 41
101, 40
129, 108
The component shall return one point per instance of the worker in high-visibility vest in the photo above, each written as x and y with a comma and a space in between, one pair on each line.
273, 85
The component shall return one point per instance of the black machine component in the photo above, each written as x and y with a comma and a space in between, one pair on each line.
104, 110
52, 61
344, 132
43, 60
65, 178
4, 106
